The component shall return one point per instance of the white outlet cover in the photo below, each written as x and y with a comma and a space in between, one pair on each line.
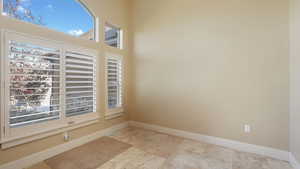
247, 128
66, 136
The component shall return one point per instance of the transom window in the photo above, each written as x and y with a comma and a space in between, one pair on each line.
113, 36
68, 16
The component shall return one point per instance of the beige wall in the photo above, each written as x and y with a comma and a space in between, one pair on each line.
113, 11
295, 79
211, 66
205, 66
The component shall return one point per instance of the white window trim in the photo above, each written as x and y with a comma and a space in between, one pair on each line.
2, 117
116, 112
47, 128
16, 142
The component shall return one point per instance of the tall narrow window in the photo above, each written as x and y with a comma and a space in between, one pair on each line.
113, 36
114, 84
76, 21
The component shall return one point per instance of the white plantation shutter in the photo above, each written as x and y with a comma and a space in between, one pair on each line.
46, 85
34, 83
80, 82
114, 82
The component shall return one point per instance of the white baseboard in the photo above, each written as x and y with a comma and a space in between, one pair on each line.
40, 156
245, 147
294, 162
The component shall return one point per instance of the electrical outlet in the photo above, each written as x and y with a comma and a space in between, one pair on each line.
66, 136
247, 128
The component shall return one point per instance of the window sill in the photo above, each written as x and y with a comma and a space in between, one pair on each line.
10, 143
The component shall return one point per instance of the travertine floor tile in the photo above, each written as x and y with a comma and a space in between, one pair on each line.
161, 144
153, 150
197, 155
152, 142
133, 136
242, 160
41, 165
134, 159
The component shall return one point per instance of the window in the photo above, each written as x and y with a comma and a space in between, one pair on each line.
46, 86
80, 84
34, 83
77, 21
114, 84
113, 36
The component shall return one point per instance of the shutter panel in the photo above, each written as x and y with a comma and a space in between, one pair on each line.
44, 86
34, 83
114, 82
80, 84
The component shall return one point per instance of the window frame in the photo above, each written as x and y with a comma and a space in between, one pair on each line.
120, 39
96, 20
7, 133
89, 116
114, 112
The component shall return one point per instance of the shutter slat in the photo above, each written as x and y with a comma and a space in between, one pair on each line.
24, 55
27, 46
81, 97
80, 56
34, 121
30, 63
79, 72
32, 114
75, 60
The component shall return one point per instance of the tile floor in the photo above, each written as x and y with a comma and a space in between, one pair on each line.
152, 150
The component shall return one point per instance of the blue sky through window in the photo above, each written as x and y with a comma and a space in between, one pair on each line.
68, 16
